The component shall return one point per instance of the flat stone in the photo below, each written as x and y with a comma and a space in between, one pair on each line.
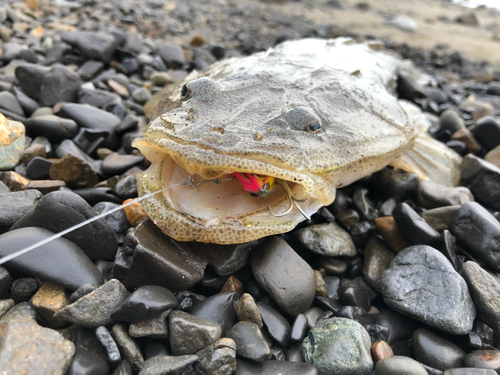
288, 279
249, 341
484, 179
65, 210
377, 260
144, 303
46, 186
414, 227
16, 204
155, 327
152, 258
399, 365
23, 338
278, 327
128, 347
327, 239
338, 345
115, 164
92, 45
226, 259
74, 171
189, 333
246, 367
435, 351
10, 103
432, 195
30, 78
479, 231
60, 261
90, 69
485, 292
13, 180
469, 371
422, 284
174, 364
60, 84
438, 218
487, 359
218, 358
90, 356
299, 328
53, 127
34, 150
12, 139
95, 308
48, 300
218, 309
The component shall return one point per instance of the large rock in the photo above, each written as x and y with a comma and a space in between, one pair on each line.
288, 279
27, 348
421, 283
93, 46
12, 138
339, 346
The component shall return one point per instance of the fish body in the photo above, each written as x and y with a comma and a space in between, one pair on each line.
315, 114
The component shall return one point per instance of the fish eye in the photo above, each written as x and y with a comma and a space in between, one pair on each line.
314, 126
184, 91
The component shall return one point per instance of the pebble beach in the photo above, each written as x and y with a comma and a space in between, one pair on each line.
398, 275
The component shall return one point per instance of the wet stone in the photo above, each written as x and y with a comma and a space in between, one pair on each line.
23, 289
245, 367
154, 348
435, 351
283, 274
16, 204
219, 357
479, 231
438, 218
60, 84
66, 209
432, 195
485, 292
93, 46
469, 371
155, 327
377, 260
60, 261
487, 132
399, 365
174, 364
107, 341
128, 347
299, 328
90, 355
422, 283
364, 205
123, 368
355, 313
328, 239
247, 310
95, 308
347, 217
278, 327
338, 345
23, 338
227, 259
126, 188
333, 266
381, 350
484, 179
487, 359
151, 258
353, 296
249, 341
218, 309
117, 220
414, 227
48, 300
189, 333
144, 303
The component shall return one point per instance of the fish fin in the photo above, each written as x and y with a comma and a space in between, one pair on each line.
431, 160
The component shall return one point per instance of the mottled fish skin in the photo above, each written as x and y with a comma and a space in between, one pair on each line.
251, 115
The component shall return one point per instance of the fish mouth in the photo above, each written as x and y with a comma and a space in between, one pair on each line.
201, 200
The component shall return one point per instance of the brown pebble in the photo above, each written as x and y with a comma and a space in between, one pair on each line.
333, 266
493, 156
48, 300
481, 109
32, 4
118, 89
74, 171
14, 181
391, 233
102, 153
466, 137
247, 310
232, 285
135, 213
198, 41
320, 284
489, 359
46, 186
33, 151
381, 350
37, 32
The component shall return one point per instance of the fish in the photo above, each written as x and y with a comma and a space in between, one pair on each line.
309, 115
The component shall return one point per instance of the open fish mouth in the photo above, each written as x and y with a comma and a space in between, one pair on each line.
202, 200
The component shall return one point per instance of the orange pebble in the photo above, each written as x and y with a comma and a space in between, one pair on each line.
381, 350
232, 285
135, 213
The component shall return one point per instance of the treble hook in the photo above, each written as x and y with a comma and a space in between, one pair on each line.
293, 202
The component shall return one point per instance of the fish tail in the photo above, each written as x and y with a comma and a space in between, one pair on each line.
431, 160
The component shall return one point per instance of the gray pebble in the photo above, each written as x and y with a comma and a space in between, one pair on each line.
328, 239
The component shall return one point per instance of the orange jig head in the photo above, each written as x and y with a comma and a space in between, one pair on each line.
256, 185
